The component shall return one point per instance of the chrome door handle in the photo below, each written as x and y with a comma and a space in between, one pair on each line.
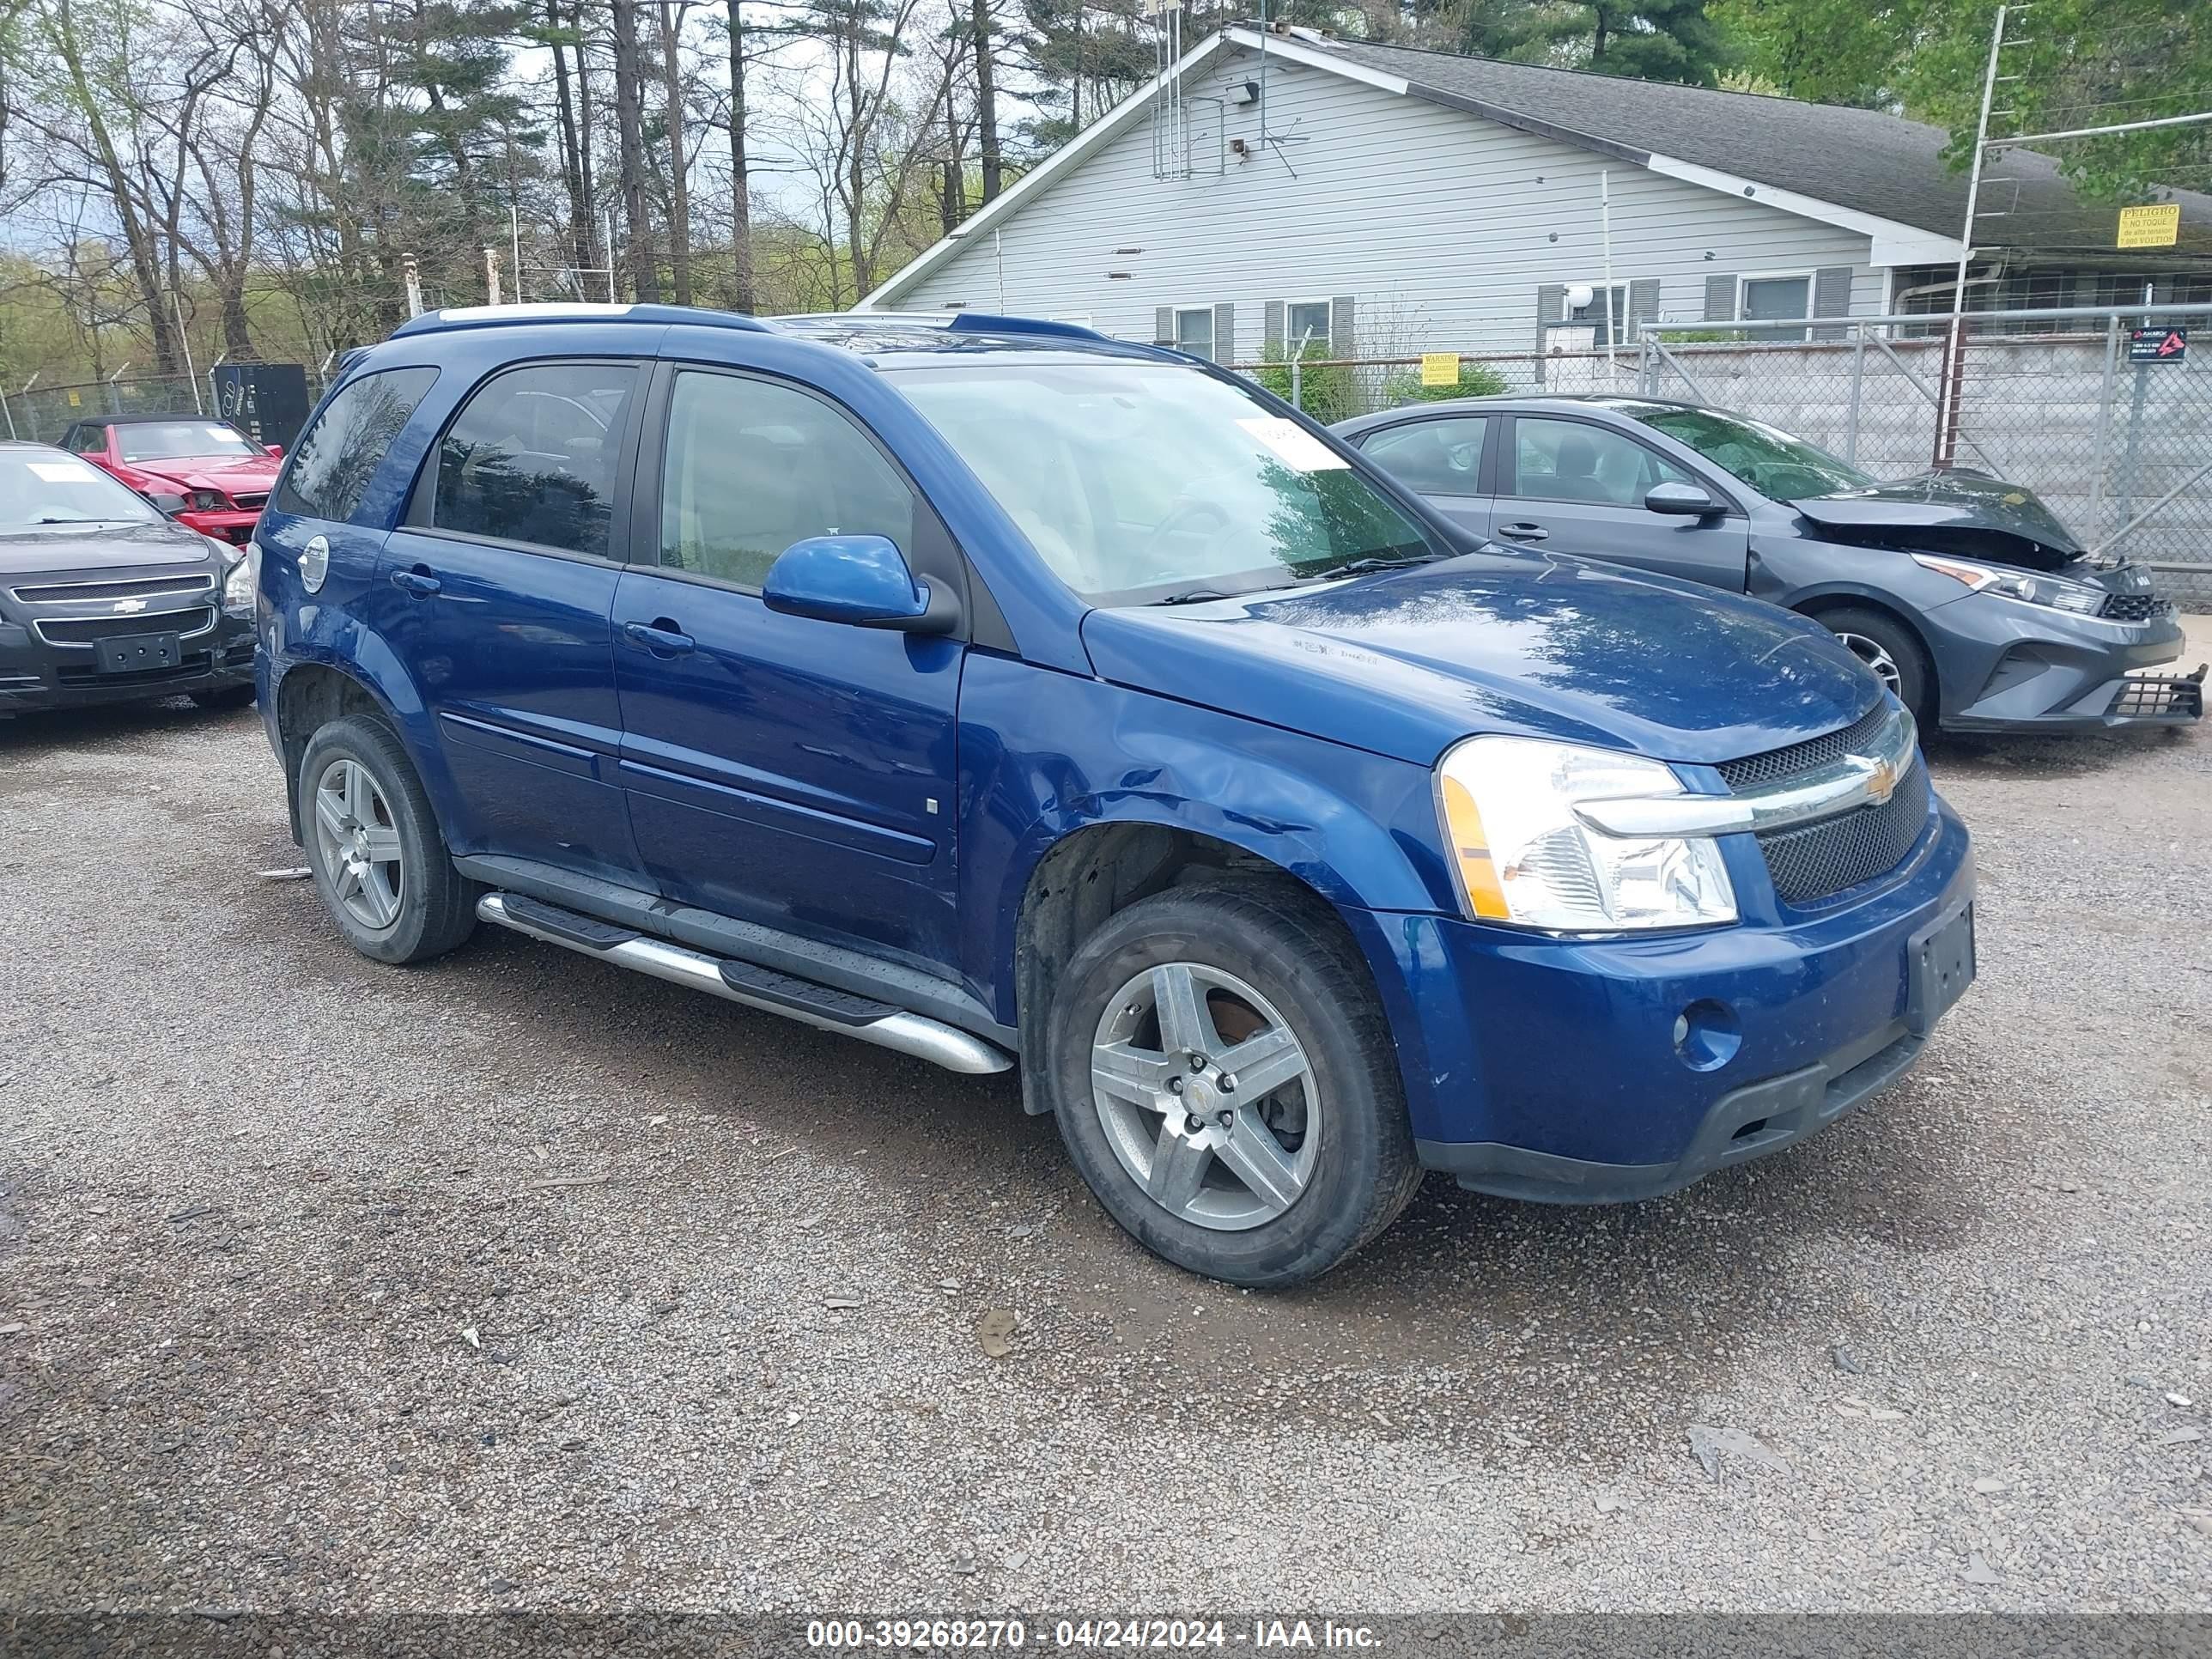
1524, 532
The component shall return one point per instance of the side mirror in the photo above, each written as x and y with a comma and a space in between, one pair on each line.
275, 450
862, 581
1682, 501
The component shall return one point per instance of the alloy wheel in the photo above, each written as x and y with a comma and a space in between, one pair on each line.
1206, 1096
359, 843
1875, 656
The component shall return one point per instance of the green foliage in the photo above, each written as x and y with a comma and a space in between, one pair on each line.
2072, 64
1650, 40
1327, 394
1475, 380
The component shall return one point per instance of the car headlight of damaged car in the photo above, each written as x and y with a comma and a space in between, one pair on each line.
1523, 857
2056, 591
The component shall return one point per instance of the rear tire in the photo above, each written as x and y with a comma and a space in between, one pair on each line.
381, 862
1267, 1185
1891, 650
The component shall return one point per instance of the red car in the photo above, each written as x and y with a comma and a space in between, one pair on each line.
202, 472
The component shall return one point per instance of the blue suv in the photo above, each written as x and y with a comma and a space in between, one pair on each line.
1004, 694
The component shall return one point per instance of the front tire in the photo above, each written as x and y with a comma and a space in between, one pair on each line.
1225, 1080
1891, 649
222, 698
381, 863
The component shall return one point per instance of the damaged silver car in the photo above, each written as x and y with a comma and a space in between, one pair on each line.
1967, 594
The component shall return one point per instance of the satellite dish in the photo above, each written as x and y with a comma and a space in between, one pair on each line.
1580, 295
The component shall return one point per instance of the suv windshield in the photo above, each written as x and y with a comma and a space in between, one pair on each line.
1778, 466
1140, 482
163, 440
51, 488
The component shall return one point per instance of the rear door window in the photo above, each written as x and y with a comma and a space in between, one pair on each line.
1442, 457
339, 454
531, 456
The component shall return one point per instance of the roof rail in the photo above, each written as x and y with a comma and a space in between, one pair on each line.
430, 322
964, 322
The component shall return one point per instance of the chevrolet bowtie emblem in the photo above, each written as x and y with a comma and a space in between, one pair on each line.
1880, 778
128, 607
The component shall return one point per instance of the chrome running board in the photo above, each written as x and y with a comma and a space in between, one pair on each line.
744, 982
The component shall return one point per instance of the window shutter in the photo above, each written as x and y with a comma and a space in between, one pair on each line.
1339, 327
1720, 299
1643, 307
1164, 325
1832, 297
1551, 310
1271, 326
1224, 333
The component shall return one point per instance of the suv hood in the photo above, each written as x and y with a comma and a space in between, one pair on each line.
66, 549
1959, 512
1406, 664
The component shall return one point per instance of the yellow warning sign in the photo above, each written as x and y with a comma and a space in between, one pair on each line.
2157, 225
76, 402
1440, 369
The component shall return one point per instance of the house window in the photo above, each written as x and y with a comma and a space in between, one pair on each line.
1307, 321
1775, 299
1194, 332
1593, 316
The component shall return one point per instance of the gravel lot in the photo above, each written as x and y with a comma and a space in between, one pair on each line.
511, 1281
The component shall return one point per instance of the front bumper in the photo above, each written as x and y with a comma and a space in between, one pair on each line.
1553, 1068
232, 524
36, 674
2008, 666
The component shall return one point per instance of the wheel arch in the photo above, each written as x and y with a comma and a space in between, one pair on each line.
1818, 605
1088, 874
309, 696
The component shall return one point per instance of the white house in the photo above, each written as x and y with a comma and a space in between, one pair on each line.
1380, 200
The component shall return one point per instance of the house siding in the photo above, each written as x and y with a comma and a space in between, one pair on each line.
1442, 226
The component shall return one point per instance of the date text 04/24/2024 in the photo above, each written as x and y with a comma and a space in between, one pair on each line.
970, 1634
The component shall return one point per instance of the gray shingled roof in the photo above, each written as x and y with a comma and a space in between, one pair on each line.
1854, 158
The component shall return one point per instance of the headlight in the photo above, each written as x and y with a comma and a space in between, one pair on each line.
1522, 856
240, 581
2056, 591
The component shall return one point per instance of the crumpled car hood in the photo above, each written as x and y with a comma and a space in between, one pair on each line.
1959, 512
254, 475
1406, 663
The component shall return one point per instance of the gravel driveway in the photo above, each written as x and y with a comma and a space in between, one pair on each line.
516, 1280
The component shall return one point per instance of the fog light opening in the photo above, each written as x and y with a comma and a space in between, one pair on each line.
1754, 1127
1707, 1035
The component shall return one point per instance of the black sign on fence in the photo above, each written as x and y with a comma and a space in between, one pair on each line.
2157, 345
267, 402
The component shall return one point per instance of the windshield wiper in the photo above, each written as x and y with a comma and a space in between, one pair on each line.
1200, 595
1362, 567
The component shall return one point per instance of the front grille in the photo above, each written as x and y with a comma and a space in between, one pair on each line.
1816, 861
87, 630
2135, 607
1754, 770
140, 587
250, 503
1821, 860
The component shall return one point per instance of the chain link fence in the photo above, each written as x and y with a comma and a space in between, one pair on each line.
2120, 449
36, 412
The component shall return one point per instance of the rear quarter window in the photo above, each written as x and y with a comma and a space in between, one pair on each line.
340, 452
